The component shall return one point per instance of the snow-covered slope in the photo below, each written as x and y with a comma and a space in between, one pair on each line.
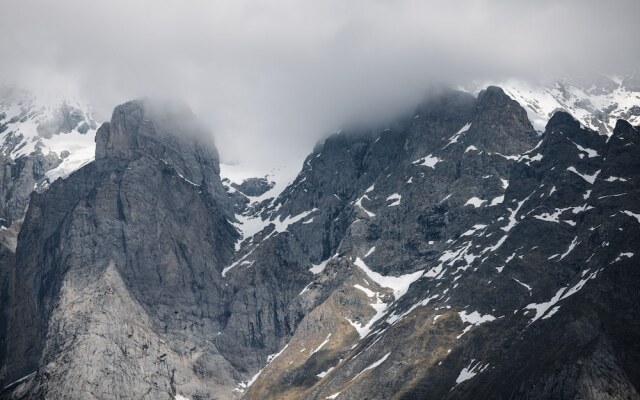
29, 125
597, 104
40, 141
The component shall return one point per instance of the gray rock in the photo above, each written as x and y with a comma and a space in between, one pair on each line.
18, 178
254, 186
65, 119
128, 288
517, 253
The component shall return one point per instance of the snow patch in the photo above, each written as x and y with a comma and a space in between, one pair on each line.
561, 294
283, 224
321, 345
590, 152
589, 178
372, 366
454, 139
572, 246
523, 284
631, 214
371, 250
428, 161
324, 373
81, 148
627, 255
470, 371
359, 204
317, 268
475, 318
399, 284
269, 361
396, 197
474, 201
497, 200
364, 330
368, 292
471, 148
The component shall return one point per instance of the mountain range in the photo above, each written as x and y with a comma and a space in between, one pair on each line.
461, 251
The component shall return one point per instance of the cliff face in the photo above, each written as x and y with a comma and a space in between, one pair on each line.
455, 253
117, 290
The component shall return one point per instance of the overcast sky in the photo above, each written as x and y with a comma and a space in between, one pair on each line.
271, 77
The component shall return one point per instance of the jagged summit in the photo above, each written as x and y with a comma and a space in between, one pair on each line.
563, 121
597, 101
501, 123
144, 125
165, 130
624, 128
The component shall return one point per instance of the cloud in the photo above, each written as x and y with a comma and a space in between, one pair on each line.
271, 77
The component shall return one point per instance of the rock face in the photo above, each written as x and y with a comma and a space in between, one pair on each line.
122, 293
254, 186
472, 263
17, 180
455, 253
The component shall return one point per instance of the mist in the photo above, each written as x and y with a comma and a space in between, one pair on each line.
270, 78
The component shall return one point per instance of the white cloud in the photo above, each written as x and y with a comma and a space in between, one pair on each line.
283, 73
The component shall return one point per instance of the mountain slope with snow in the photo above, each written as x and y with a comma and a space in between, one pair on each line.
597, 103
40, 141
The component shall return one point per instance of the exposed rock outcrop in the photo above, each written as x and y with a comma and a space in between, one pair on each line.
117, 289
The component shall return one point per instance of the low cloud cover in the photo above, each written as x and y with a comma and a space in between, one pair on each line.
269, 74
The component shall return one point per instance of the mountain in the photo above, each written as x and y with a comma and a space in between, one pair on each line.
597, 101
455, 253
465, 255
40, 141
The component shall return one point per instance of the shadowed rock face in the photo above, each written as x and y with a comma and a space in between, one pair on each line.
497, 119
18, 178
454, 254
530, 261
164, 131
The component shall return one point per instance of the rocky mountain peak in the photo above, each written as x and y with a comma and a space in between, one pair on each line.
624, 129
493, 95
596, 100
145, 126
167, 131
501, 124
562, 121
